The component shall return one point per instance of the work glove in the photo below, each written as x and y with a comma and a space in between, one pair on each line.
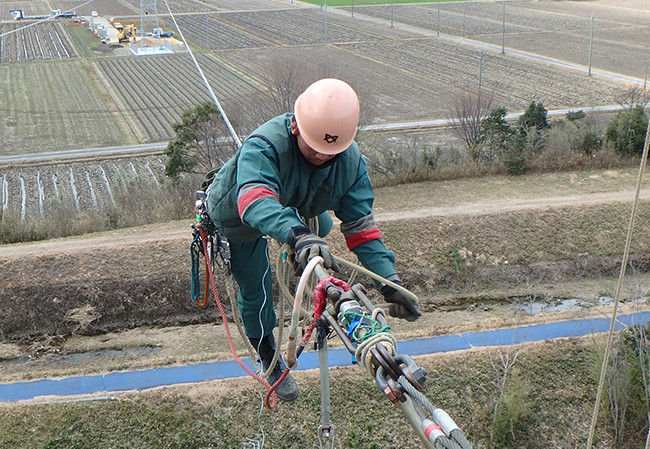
307, 245
401, 305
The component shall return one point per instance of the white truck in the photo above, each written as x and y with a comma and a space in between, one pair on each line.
158, 32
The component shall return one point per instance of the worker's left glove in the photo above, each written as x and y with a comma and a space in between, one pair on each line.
402, 306
306, 246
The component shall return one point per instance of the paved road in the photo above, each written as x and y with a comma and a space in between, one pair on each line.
158, 147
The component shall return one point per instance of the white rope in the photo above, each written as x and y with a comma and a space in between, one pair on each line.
376, 277
363, 355
626, 254
234, 135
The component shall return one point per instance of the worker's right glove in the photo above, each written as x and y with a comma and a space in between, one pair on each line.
402, 306
306, 246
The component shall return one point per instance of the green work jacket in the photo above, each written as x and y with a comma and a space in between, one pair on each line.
268, 185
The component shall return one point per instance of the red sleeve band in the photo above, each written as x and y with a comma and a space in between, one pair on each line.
362, 237
250, 197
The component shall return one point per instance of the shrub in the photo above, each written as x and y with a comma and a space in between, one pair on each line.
535, 116
626, 133
513, 412
575, 115
533, 126
499, 141
626, 384
199, 145
136, 205
399, 160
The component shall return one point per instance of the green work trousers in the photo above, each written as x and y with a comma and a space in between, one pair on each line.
251, 268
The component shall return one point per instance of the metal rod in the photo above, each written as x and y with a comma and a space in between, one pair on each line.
438, 30
363, 299
340, 332
326, 429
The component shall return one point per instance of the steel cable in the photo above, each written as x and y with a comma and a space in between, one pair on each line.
234, 135
39, 22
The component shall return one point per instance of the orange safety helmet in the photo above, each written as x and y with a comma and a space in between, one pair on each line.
327, 114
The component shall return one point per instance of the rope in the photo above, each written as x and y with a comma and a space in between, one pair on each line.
364, 356
359, 330
375, 276
195, 282
626, 254
320, 302
271, 398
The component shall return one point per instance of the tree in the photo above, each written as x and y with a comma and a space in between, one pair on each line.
498, 140
533, 125
534, 117
626, 133
202, 142
467, 114
630, 97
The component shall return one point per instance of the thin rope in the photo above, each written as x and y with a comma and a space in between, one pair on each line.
626, 254
271, 397
41, 21
234, 135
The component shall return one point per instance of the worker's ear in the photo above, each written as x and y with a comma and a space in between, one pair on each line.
294, 126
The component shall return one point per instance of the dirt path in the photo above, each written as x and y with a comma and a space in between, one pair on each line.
512, 205
179, 230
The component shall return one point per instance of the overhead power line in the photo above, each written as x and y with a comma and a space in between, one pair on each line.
41, 21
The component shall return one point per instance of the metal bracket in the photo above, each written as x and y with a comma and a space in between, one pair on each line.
325, 433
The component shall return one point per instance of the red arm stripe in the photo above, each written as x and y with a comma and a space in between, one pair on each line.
363, 237
250, 197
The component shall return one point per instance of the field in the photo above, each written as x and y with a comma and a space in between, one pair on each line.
49, 41
57, 188
60, 90
539, 28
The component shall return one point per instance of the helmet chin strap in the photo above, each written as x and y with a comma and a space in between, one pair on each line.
325, 164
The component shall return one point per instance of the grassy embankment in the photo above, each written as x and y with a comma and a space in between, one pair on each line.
557, 389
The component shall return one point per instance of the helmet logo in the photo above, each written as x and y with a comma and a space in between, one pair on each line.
330, 138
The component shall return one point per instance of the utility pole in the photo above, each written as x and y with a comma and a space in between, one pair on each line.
462, 33
503, 30
645, 83
480, 72
148, 18
326, 36
591, 42
438, 3
207, 30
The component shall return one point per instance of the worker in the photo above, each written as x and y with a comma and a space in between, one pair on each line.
300, 164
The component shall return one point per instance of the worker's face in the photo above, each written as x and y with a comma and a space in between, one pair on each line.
313, 156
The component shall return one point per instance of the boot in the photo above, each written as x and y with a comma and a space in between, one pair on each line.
287, 391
